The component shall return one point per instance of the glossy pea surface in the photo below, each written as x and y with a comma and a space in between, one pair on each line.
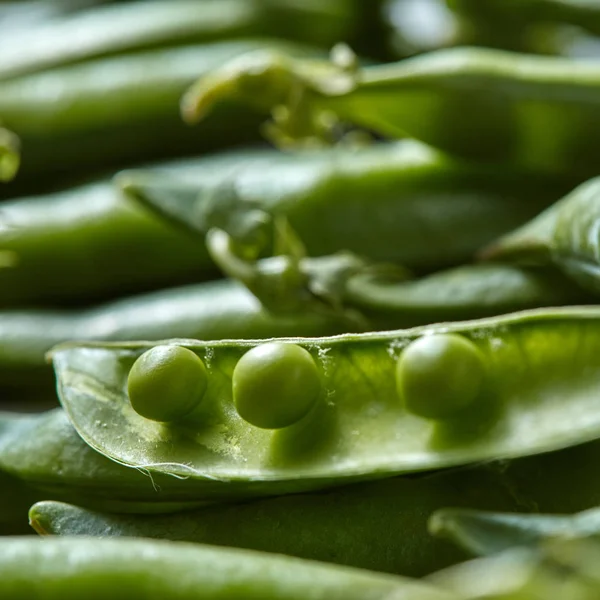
439, 374
275, 385
166, 383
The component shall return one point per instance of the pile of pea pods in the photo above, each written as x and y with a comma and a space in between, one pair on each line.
299, 300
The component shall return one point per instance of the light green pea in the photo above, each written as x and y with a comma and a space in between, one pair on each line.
166, 383
438, 375
275, 385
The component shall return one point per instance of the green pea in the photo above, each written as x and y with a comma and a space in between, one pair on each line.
439, 374
166, 383
275, 385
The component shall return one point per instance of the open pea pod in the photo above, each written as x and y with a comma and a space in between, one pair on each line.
9, 155
344, 408
566, 234
541, 112
483, 533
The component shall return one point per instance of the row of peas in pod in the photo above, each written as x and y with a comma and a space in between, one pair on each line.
300, 296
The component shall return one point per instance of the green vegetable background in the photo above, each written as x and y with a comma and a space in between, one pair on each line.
299, 299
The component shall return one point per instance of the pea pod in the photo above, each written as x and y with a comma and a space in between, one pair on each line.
72, 568
483, 533
561, 569
406, 180
377, 525
69, 246
116, 109
402, 202
129, 27
360, 428
538, 112
566, 235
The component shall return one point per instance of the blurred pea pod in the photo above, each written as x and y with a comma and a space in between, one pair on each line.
566, 234
133, 26
483, 104
381, 202
153, 570
106, 111
213, 310
483, 533
401, 202
565, 569
88, 243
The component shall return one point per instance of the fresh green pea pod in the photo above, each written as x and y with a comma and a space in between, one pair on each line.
565, 569
128, 27
88, 243
9, 155
538, 112
483, 533
401, 202
480, 396
97, 569
212, 310
566, 235
116, 109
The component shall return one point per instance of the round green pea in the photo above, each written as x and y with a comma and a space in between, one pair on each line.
275, 385
440, 374
166, 383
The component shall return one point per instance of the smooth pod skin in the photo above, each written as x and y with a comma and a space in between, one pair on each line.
166, 383
440, 374
148, 570
275, 385
90, 243
375, 525
565, 235
401, 202
484, 533
538, 112
125, 28
540, 367
103, 112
